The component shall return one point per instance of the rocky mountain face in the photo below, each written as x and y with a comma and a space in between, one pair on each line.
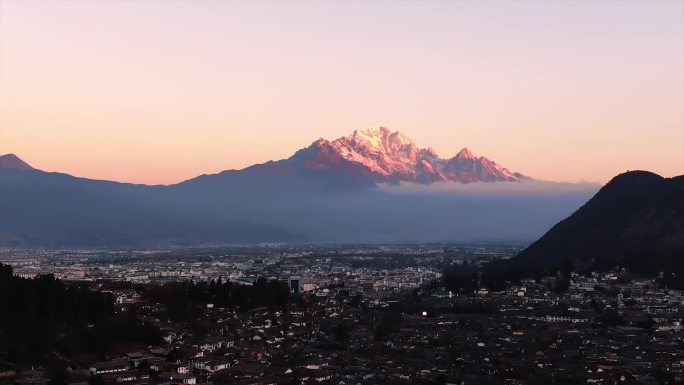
385, 156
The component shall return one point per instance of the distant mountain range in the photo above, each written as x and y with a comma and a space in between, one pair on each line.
384, 156
636, 221
366, 158
327, 192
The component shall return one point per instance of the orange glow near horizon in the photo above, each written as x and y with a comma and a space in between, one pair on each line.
159, 92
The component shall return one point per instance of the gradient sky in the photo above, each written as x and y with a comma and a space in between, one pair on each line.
158, 92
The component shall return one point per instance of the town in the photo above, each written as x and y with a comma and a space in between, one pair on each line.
356, 314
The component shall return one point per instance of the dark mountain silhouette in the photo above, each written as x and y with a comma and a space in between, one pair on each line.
11, 161
636, 220
290, 200
55, 209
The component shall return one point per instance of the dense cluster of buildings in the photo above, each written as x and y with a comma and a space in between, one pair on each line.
357, 320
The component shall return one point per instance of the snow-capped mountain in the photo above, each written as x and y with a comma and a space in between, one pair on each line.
386, 156
326, 192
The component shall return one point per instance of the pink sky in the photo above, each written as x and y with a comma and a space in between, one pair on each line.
159, 92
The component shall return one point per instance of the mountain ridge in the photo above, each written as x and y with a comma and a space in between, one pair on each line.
637, 215
11, 161
385, 156
375, 154
324, 192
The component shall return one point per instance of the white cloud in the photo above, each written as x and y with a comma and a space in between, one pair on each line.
524, 188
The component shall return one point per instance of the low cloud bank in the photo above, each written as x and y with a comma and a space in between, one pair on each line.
524, 188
